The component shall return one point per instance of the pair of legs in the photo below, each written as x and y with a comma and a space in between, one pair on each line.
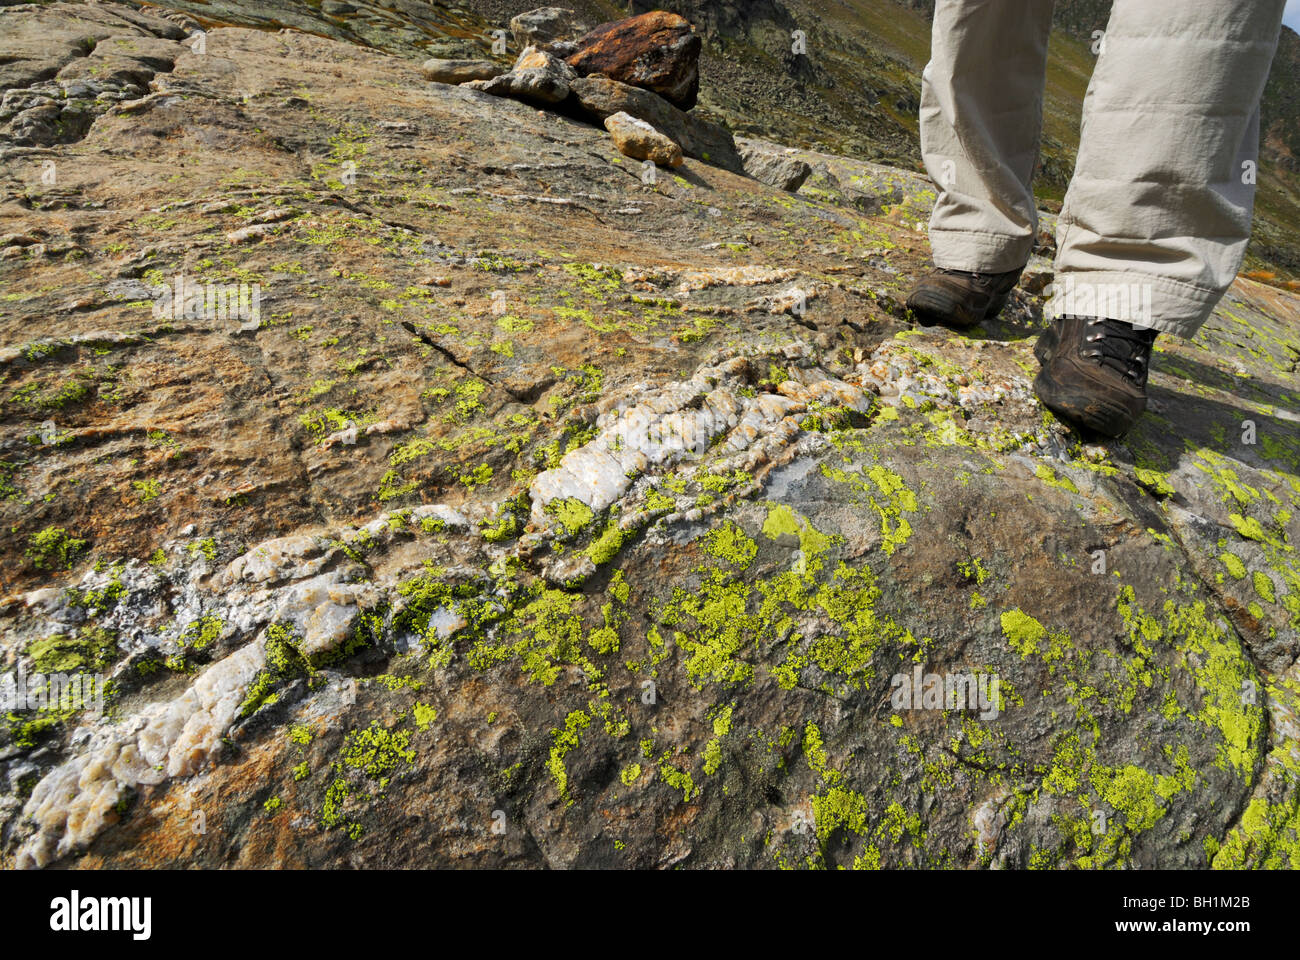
1157, 216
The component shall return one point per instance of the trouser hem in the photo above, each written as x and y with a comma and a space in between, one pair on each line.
975, 252
1169, 306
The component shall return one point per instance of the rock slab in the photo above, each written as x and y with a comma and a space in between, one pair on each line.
460, 71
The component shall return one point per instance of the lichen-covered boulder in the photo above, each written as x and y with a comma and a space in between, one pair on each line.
550, 515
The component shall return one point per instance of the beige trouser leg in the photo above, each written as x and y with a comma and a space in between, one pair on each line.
1158, 213
981, 119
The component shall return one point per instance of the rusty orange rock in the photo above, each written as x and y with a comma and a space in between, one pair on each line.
658, 51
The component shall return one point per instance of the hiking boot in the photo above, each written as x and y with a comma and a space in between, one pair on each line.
955, 298
1094, 373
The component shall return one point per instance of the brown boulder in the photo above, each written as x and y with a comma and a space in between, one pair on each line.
640, 141
657, 51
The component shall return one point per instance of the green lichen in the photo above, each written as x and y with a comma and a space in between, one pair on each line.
200, 634
1268, 836
563, 740
424, 715
889, 495
90, 649
571, 514
1049, 477
377, 752
730, 544
1022, 632
1264, 587
54, 549
606, 547
1154, 482
1232, 563
284, 660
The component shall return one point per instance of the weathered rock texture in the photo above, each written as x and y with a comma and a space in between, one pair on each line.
537, 77
549, 517
550, 28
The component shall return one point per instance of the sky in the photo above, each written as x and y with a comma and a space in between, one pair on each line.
1292, 16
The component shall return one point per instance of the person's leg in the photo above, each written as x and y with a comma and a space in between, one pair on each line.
1157, 216
981, 122
1158, 213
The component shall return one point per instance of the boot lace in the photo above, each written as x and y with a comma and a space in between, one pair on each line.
981, 279
1120, 346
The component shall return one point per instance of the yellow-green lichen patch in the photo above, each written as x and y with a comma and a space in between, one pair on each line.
730, 544
723, 624
838, 809
1264, 587
1222, 672
424, 715
1232, 563
90, 649
888, 494
563, 740
377, 752
54, 549
284, 660
678, 779
1023, 632
544, 634
606, 546
1046, 474
721, 718
572, 515
1268, 836
605, 639
1131, 791
370, 757
1154, 482
782, 521
724, 629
